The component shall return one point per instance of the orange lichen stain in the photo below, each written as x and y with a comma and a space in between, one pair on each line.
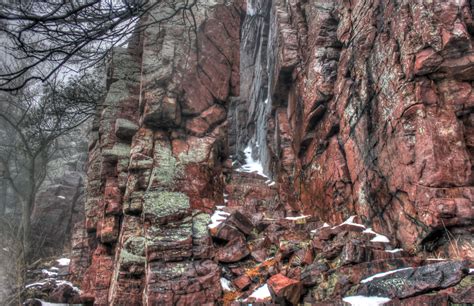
230, 297
257, 270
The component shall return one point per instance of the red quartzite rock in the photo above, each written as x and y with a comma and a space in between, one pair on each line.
345, 108
285, 289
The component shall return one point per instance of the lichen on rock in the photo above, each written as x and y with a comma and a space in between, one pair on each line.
165, 205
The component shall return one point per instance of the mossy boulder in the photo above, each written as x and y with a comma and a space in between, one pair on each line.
164, 206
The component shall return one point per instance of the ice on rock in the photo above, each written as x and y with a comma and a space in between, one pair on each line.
360, 300
218, 217
251, 165
63, 261
378, 275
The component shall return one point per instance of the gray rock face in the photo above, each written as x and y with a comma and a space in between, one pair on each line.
410, 282
56, 211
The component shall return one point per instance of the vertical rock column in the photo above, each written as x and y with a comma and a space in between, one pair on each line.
155, 168
109, 154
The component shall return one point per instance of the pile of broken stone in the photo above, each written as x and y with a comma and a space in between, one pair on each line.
301, 260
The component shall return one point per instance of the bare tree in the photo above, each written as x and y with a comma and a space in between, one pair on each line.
34, 120
48, 35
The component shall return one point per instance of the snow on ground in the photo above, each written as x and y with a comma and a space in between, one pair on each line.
44, 303
226, 284
49, 273
350, 221
323, 226
218, 217
37, 284
251, 165
471, 271
63, 261
360, 300
378, 237
394, 251
297, 217
62, 197
57, 281
378, 275
261, 293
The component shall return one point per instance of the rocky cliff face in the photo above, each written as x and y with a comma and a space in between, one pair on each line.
342, 108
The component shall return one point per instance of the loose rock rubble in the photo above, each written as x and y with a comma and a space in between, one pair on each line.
48, 282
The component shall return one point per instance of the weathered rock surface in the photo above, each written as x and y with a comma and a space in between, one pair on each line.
57, 210
354, 113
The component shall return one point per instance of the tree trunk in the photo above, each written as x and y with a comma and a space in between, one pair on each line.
26, 229
3, 197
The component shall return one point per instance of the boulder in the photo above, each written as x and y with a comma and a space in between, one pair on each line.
285, 289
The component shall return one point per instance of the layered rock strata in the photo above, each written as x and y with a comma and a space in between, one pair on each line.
344, 108
155, 160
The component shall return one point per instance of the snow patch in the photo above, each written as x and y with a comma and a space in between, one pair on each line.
43, 303
37, 284
63, 261
217, 218
62, 197
360, 300
261, 293
350, 221
226, 284
251, 11
297, 218
471, 271
323, 226
378, 237
49, 273
251, 165
57, 282
378, 275
394, 251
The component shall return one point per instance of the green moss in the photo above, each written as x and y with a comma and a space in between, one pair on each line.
466, 282
327, 287
127, 258
200, 223
163, 203
135, 245
166, 169
133, 251
118, 151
